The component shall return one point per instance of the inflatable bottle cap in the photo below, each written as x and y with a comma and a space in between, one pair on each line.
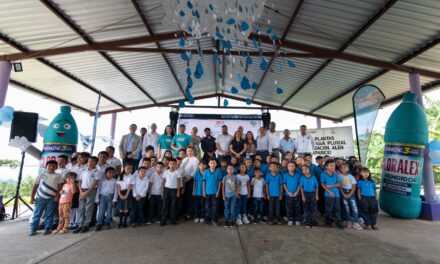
65, 109
410, 97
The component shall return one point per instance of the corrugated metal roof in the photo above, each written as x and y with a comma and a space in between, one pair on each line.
405, 27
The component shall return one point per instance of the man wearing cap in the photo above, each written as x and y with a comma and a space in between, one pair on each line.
222, 144
304, 142
181, 141
208, 145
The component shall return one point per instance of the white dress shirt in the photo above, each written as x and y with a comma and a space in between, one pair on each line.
107, 187
88, 177
140, 186
150, 139
171, 178
264, 143
274, 139
305, 144
189, 166
223, 141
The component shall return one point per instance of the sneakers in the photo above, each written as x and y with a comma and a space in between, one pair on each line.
290, 223
297, 223
214, 223
196, 220
357, 226
148, 223
232, 224
375, 227
108, 227
77, 230
368, 228
202, 220
245, 220
239, 222
98, 228
349, 225
227, 224
84, 229
47, 232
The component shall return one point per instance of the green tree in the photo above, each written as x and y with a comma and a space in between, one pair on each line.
9, 163
375, 154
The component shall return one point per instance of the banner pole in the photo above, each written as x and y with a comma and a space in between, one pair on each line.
95, 123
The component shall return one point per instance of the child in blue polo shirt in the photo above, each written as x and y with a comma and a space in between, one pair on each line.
309, 193
292, 189
199, 202
330, 183
367, 200
211, 191
274, 190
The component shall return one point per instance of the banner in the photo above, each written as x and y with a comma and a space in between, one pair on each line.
215, 123
366, 102
333, 141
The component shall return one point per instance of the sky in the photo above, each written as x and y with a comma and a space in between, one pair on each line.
25, 101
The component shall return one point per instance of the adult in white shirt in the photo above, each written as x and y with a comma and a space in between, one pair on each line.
305, 143
151, 139
222, 144
189, 167
264, 146
274, 138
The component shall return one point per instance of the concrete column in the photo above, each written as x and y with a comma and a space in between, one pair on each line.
5, 73
318, 122
113, 128
428, 178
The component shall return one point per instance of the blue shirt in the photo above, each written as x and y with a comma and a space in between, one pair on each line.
211, 180
309, 184
317, 171
291, 182
330, 180
298, 170
165, 141
264, 169
274, 184
198, 180
287, 145
181, 141
250, 173
223, 172
367, 187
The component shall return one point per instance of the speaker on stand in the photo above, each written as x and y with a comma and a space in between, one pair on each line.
266, 119
174, 118
25, 125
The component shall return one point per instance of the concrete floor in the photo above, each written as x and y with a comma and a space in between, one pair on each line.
397, 241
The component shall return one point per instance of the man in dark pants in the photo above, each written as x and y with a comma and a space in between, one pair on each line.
130, 146
208, 146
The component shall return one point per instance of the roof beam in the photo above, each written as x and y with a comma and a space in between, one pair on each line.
49, 96
150, 31
286, 31
425, 88
75, 28
11, 42
403, 60
102, 46
349, 57
356, 35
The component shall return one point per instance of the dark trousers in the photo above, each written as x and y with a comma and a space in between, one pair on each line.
169, 203
179, 204
146, 208
321, 201
211, 208
274, 208
154, 208
132, 161
264, 154
369, 208
199, 207
188, 200
137, 211
241, 205
293, 208
332, 210
310, 207
258, 208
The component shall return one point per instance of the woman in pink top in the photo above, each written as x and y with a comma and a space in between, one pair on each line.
66, 196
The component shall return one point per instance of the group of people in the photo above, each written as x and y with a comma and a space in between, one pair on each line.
166, 177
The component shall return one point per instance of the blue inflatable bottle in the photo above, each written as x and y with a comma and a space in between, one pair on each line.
406, 135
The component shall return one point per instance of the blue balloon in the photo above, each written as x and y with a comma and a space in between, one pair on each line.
244, 26
245, 83
254, 41
190, 99
181, 13
280, 90
184, 56
228, 45
181, 103
254, 85
189, 84
225, 102
197, 14
263, 64
219, 35
182, 43
6, 114
234, 90
188, 72
230, 21
189, 5
291, 64
248, 101
249, 60
269, 31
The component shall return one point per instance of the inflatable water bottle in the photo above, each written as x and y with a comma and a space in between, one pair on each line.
406, 135
61, 137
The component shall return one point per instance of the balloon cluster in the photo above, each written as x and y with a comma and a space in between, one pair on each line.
6, 114
229, 24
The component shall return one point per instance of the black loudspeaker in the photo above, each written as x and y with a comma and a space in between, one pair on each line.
266, 120
25, 125
174, 117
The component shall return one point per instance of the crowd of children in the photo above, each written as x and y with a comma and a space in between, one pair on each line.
90, 191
